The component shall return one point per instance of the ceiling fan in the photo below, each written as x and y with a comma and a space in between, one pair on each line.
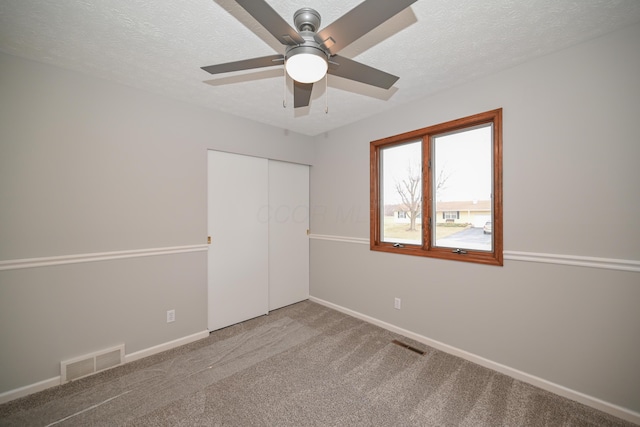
311, 54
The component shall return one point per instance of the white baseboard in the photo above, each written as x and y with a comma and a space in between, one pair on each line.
10, 395
615, 410
165, 346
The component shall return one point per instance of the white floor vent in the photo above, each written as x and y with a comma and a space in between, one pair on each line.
88, 364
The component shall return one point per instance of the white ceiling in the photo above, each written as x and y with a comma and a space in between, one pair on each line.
160, 45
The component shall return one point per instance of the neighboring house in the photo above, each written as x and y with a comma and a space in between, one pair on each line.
475, 212
401, 215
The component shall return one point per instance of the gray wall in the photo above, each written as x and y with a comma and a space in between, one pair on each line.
571, 187
87, 166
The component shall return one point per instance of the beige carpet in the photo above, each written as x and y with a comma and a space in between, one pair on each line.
303, 365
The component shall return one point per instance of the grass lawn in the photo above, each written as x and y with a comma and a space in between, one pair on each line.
400, 231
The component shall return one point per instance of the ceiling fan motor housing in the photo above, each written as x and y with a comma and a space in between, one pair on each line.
309, 46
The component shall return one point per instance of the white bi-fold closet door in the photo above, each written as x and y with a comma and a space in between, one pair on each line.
258, 220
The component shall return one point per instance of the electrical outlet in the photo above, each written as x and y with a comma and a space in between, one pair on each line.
397, 303
171, 316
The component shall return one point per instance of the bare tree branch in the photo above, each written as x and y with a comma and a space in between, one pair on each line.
441, 182
410, 192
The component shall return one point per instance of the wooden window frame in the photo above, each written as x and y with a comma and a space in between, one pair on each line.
494, 257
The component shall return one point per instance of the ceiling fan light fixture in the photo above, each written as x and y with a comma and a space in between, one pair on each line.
308, 51
306, 64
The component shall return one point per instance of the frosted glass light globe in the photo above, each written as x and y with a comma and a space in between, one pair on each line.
306, 67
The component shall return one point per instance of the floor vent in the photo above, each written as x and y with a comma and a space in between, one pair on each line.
88, 364
408, 347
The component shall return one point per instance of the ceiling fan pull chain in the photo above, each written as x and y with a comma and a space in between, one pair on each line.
326, 93
284, 91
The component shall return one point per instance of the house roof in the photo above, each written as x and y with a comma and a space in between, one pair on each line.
469, 205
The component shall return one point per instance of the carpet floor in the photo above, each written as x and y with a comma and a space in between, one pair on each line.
302, 365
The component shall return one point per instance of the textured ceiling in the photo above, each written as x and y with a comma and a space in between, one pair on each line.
160, 45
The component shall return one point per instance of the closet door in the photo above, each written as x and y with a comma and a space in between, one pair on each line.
288, 239
238, 268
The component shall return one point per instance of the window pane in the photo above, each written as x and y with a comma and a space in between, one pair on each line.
401, 193
462, 183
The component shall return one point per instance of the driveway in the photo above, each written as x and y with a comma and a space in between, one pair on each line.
470, 238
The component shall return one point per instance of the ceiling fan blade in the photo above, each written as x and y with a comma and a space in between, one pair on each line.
353, 70
271, 21
359, 21
301, 94
245, 64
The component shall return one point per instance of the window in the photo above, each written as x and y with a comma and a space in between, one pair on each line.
447, 180
451, 215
